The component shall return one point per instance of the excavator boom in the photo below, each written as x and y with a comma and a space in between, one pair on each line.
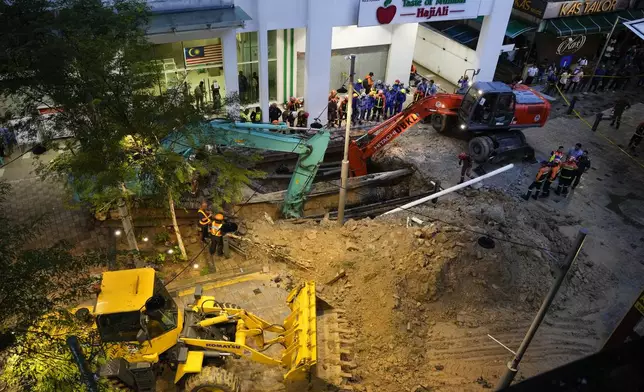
384, 133
258, 136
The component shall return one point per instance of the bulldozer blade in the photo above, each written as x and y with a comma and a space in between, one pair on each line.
322, 354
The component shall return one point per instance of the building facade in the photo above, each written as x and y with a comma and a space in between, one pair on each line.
270, 50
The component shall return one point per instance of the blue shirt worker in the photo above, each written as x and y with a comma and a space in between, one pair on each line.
401, 97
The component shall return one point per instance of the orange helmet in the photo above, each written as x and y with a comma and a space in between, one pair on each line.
219, 217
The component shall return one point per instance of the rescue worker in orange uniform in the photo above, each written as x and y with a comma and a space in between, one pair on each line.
540, 178
568, 172
204, 220
368, 82
557, 155
216, 235
333, 94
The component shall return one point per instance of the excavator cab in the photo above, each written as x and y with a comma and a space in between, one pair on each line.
487, 105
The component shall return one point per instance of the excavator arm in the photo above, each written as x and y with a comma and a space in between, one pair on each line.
384, 133
258, 136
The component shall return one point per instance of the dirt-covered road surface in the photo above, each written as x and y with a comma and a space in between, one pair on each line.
423, 299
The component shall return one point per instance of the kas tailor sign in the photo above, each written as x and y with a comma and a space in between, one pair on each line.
382, 12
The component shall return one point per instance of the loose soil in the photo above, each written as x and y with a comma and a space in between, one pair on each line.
422, 299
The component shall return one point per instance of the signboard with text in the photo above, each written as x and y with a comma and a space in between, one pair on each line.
382, 12
564, 9
532, 7
567, 49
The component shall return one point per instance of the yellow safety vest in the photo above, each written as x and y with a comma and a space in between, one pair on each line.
215, 229
205, 218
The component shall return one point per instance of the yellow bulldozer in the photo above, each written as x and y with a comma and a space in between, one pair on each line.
139, 320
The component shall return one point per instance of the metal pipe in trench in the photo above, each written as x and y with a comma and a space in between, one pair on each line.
450, 190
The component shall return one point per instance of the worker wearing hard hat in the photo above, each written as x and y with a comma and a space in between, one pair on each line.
204, 220
401, 97
358, 87
539, 180
216, 235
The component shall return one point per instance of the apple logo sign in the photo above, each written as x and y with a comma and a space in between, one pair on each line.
386, 13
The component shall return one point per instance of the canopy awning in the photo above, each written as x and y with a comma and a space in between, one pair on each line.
515, 27
590, 24
185, 21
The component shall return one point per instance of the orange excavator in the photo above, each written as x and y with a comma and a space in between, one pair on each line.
492, 113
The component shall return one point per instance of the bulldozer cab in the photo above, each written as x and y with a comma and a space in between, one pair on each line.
487, 105
134, 306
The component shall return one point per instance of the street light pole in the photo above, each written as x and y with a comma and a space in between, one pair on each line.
601, 55
344, 177
513, 366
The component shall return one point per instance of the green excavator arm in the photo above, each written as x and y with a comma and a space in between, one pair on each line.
259, 136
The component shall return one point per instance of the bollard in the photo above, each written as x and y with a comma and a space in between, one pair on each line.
573, 101
598, 118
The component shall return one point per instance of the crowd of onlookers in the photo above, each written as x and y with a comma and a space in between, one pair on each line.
627, 71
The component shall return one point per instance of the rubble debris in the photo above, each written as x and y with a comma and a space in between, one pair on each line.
268, 218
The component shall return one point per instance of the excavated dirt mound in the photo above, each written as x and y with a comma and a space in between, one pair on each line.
422, 299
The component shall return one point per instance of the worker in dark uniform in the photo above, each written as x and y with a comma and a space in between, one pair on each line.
466, 161
216, 235
583, 164
568, 170
621, 105
378, 106
204, 220
302, 119
637, 137
342, 110
540, 179
332, 112
274, 113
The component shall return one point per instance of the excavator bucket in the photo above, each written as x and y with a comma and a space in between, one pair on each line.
318, 342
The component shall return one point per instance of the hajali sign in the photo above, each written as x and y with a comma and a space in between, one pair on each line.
382, 12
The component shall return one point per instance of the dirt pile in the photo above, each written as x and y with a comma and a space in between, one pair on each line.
416, 294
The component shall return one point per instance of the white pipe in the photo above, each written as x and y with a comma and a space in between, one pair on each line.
450, 190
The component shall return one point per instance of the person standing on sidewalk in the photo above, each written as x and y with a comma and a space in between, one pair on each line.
599, 74
583, 164
533, 71
576, 78
632, 144
204, 220
563, 80
621, 105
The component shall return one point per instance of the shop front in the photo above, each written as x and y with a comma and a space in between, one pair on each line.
270, 50
569, 30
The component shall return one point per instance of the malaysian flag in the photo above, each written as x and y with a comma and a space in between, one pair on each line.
199, 55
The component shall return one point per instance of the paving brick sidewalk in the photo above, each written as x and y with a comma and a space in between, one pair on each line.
32, 200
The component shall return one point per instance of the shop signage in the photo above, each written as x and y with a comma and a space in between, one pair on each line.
565, 9
532, 7
566, 49
381, 12
571, 45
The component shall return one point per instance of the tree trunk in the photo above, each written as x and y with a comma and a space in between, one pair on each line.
184, 255
128, 229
